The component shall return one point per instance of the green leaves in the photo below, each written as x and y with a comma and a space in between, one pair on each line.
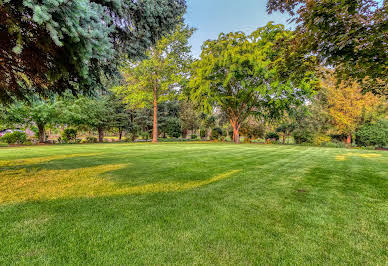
55, 45
348, 35
163, 72
240, 73
243, 75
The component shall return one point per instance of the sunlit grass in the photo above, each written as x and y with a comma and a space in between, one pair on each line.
345, 156
41, 184
192, 203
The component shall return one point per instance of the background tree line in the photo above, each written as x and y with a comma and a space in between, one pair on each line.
271, 82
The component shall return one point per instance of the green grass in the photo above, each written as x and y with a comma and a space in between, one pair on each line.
193, 203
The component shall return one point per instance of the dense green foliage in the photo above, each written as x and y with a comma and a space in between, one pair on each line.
216, 133
156, 79
56, 45
153, 204
173, 127
302, 136
373, 134
15, 137
35, 112
272, 136
242, 75
350, 35
69, 134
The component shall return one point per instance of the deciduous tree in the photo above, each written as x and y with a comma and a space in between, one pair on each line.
35, 112
349, 35
347, 105
240, 75
158, 78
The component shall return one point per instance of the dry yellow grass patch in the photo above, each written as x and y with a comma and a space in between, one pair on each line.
20, 185
37, 160
171, 187
42, 184
345, 156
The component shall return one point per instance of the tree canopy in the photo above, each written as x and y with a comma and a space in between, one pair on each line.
347, 106
349, 35
55, 45
157, 78
240, 75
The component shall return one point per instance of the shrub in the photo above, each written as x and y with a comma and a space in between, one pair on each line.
247, 140
193, 136
69, 135
338, 137
251, 129
91, 139
332, 144
36, 131
216, 133
14, 138
202, 133
321, 140
302, 136
174, 127
373, 134
145, 135
258, 140
272, 136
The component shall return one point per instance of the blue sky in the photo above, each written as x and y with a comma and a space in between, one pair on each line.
211, 17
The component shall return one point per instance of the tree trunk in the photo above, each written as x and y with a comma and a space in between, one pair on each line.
284, 138
120, 134
42, 135
349, 138
236, 129
184, 133
100, 135
155, 126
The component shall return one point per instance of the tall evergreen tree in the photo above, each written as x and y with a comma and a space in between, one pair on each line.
55, 45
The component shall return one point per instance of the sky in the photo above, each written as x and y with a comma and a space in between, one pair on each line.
211, 17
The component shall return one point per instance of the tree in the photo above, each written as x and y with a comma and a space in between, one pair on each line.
174, 127
347, 105
349, 35
166, 111
286, 128
189, 116
240, 75
207, 124
373, 134
121, 117
35, 112
252, 128
55, 45
89, 113
156, 79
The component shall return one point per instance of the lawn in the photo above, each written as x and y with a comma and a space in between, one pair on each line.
193, 203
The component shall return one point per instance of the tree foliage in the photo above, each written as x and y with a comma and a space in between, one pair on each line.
349, 35
347, 106
242, 75
55, 45
157, 78
373, 134
34, 112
